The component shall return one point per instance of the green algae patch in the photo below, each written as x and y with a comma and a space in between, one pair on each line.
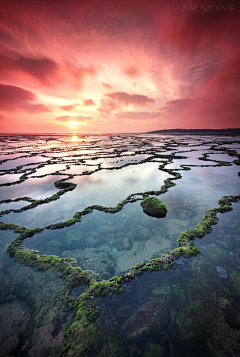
154, 207
62, 185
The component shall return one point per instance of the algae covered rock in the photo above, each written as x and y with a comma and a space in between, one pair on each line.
164, 293
62, 185
154, 207
150, 317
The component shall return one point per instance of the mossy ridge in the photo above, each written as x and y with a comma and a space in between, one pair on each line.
167, 184
155, 264
11, 226
21, 179
205, 157
22, 157
86, 311
230, 152
25, 171
66, 187
130, 199
9, 200
201, 229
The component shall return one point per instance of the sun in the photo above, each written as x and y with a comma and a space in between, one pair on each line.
73, 124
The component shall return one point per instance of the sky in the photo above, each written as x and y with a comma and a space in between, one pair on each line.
118, 66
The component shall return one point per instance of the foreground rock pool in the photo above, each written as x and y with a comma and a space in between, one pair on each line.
86, 272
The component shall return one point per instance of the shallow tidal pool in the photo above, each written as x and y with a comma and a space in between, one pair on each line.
65, 198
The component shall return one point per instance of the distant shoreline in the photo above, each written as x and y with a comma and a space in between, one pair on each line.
228, 131
224, 132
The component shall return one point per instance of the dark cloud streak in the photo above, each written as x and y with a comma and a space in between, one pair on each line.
14, 98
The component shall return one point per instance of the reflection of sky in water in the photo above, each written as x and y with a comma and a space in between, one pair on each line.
36, 188
221, 157
99, 232
9, 178
206, 185
195, 147
198, 190
6, 238
79, 169
49, 169
232, 146
80, 152
13, 205
107, 187
9, 156
120, 161
22, 161
192, 159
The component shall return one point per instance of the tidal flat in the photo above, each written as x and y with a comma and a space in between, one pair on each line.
86, 272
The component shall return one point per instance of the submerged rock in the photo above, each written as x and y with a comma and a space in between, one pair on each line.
153, 349
10, 346
154, 207
222, 272
232, 317
151, 316
124, 243
235, 279
98, 261
164, 293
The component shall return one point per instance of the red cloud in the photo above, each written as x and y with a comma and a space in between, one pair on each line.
88, 102
204, 111
107, 86
41, 69
13, 98
125, 98
137, 115
132, 72
188, 59
68, 107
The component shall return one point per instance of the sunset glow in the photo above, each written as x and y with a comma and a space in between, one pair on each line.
75, 139
73, 124
119, 66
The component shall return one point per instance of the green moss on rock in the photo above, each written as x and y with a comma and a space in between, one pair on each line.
154, 207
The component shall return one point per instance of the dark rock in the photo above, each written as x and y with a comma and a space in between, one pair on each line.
232, 317
151, 316
154, 207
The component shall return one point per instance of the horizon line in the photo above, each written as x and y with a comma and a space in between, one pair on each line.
109, 133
